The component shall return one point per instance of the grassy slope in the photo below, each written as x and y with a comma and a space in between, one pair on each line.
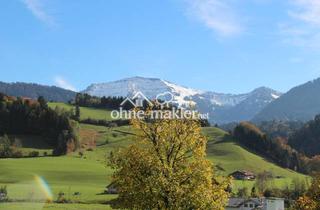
32, 206
67, 174
85, 112
89, 174
223, 151
31, 143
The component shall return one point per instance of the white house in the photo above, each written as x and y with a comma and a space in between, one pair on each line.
255, 204
3, 196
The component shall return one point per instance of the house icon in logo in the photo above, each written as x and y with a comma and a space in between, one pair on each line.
137, 100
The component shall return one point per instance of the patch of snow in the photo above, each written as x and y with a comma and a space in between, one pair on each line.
274, 96
182, 95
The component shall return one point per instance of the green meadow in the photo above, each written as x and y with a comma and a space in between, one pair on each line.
87, 173
35, 206
85, 112
224, 152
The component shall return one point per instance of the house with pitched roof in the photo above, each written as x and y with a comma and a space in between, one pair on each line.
243, 175
255, 204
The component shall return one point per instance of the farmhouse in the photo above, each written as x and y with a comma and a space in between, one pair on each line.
255, 204
111, 189
243, 175
3, 196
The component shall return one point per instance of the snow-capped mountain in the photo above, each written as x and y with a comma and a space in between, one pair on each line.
150, 87
222, 108
250, 105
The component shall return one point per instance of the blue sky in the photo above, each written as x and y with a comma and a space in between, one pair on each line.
229, 46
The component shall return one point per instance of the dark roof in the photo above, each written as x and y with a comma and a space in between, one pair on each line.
112, 185
246, 173
237, 202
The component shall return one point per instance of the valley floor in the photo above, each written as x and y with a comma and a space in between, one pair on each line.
35, 206
83, 177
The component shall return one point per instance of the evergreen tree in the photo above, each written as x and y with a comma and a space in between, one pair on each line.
5, 147
77, 113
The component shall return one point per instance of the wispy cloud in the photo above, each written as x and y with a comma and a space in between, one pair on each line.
61, 82
307, 11
37, 8
217, 15
303, 28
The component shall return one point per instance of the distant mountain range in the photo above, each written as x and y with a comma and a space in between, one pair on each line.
262, 104
300, 103
30, 90
222, 108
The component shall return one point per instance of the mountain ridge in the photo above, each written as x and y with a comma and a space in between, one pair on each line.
221, 107
216, 104
34, 90
300, 103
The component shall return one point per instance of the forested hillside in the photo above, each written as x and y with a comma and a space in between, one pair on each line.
307, 139
30, 90
86, 100
25, 116
275, 149
299, 103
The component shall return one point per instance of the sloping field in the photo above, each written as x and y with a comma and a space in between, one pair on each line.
87, 174
85, 112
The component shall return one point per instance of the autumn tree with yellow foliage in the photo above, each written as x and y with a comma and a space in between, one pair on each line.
310, 201
166, 168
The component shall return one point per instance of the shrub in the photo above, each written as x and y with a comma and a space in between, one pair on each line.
34, 154
61, 198
109, 124
5, 147
17, 143
17, 154
112, 125
81, 154
243, 192
3, 194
